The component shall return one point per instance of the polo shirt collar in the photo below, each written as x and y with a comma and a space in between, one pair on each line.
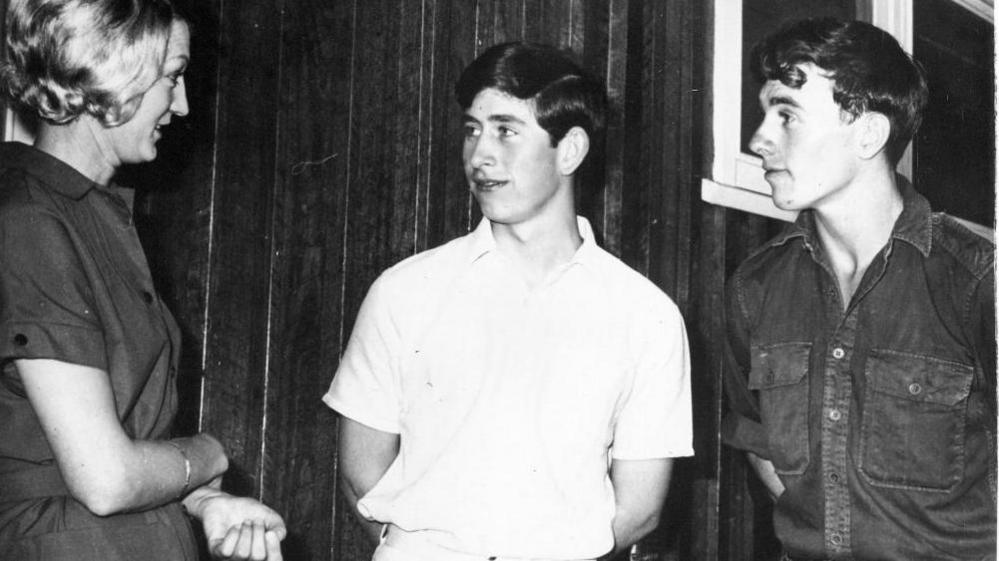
589, 250
914, 226
483, 242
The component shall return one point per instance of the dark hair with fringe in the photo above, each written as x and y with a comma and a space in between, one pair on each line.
70, 57
563, 94
868, 68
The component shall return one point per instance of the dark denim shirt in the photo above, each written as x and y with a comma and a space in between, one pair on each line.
879, 420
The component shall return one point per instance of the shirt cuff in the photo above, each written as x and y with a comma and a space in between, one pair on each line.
360, 414
743, 433
67, 343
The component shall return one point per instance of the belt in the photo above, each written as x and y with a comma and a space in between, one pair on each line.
417, 545
34, 483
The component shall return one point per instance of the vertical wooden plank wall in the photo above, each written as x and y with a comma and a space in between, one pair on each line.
324, 146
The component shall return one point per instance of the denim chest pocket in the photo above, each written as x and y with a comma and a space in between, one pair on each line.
779, 373
914, 421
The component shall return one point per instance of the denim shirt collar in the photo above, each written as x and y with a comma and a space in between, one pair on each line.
914, 226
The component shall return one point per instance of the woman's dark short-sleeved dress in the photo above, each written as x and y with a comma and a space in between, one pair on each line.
75, 286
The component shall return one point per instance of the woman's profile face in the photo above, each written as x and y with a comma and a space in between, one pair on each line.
135, 140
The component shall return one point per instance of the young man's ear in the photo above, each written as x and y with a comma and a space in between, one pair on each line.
572, 149
875, 129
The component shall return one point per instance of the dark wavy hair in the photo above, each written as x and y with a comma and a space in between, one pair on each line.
868, 68
563, 94
70, 57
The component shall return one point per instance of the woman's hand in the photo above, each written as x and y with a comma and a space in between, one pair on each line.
237, 527
249, 540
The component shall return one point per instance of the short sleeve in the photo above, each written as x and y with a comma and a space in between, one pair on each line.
655, 420
46, 300
365, 387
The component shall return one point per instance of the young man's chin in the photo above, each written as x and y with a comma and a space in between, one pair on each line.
782, 198
789, 206
493, 211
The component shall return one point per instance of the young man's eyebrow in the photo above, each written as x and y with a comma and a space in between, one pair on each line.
499, 118
503, 118
782, 100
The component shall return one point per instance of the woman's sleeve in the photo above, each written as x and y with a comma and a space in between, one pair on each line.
46, 299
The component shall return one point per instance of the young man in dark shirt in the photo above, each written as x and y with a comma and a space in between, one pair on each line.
861, 340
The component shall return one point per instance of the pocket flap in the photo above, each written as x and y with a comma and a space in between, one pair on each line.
782, 364
918, 378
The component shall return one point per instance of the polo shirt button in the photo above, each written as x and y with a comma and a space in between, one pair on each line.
838, 353
834, 477
836, 539
915, 388
835, 415
147, 296
20, 339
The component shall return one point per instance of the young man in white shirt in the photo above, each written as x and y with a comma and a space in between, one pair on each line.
516, 393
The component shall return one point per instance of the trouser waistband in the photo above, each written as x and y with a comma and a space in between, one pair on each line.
788, 557
417, 547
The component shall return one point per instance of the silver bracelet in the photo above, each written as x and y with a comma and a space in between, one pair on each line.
187, 468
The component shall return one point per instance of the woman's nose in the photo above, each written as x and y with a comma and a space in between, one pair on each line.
178, 103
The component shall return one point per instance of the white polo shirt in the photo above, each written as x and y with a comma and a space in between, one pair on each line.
511, 402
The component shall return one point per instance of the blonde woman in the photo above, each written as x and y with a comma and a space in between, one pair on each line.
88, 351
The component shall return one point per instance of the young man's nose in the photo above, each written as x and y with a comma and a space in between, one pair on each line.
760, 143
481, 152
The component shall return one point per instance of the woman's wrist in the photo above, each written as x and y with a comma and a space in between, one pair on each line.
187, 468
204, 455
194, 503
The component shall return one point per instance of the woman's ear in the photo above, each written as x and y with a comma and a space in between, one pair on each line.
875, 129
572, 149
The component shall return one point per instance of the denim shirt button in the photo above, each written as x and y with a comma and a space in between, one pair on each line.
838, 353
835, 415
834, 477
915, 388
836, 539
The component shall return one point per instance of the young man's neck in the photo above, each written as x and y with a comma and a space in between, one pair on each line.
854, 228
539, 247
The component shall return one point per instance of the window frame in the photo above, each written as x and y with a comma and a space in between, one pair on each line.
14, 129
736, 178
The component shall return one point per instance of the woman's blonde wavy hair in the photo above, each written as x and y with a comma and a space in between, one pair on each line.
70, 57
